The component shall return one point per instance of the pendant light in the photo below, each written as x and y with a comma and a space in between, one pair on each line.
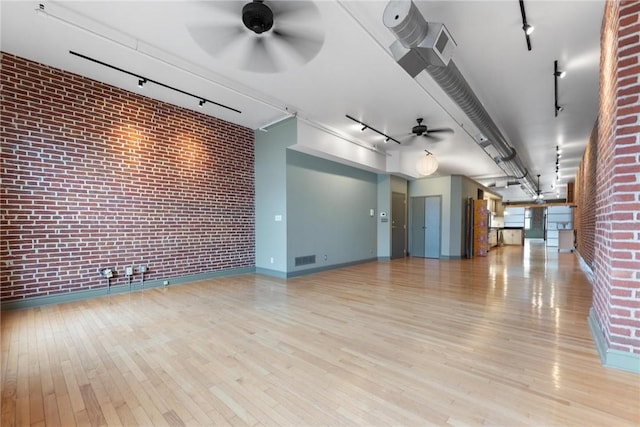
427, 165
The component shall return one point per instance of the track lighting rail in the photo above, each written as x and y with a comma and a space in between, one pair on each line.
366, 126
143, 80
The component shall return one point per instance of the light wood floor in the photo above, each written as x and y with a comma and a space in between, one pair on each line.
501, 340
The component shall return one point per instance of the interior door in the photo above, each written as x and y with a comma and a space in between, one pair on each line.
432, 208
425, 226
398, 225
417, 226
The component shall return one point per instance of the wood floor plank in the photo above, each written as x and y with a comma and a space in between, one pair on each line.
500, 340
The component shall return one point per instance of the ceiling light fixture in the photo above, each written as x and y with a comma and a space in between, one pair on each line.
201, 103
558, 155
557, 74
528, 29
427, 165
146, 79
366, 126
141, 82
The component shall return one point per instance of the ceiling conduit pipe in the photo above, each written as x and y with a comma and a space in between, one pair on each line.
428, 46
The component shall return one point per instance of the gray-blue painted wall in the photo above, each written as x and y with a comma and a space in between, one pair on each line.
271, 195
324, 207
329, 212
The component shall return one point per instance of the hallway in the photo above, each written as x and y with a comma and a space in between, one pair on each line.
499, 340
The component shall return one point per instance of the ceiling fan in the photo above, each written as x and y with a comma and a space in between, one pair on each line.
424, 130
261, 36
539, 197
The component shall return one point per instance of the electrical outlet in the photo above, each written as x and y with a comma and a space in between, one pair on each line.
128, 270
271, 260
107, 272
165, 283
142, 269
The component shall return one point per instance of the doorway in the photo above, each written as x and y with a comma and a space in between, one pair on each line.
398, 225
534, 221
425, 226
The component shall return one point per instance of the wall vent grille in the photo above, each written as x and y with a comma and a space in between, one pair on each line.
305, 260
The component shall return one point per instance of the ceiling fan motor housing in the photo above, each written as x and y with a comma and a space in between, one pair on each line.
257, 17
419, 129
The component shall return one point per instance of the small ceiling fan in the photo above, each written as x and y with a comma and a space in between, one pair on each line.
261, 36
539, 197
424, 130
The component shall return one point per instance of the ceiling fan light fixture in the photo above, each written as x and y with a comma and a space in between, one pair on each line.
257, 17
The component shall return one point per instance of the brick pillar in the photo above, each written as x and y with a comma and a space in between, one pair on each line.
615, 316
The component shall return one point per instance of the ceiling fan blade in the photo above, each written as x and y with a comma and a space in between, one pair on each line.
440, 130
305, 45
409, 140
258, 57
432, 137
294, 10
232, 9
216, 40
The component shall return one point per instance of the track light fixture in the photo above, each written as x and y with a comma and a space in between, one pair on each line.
557, 74
366, 126
201, 103
528, 29
558, 155
560, 74
142, 80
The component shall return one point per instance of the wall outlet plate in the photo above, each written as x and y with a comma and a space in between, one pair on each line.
128, 271
106, 272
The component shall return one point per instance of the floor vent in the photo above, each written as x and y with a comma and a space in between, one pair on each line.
305, 260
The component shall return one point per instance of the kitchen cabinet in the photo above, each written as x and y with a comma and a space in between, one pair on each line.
513, 236
493, 237
565, 240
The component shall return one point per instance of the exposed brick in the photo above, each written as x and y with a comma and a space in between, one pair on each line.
97, 176
608, 186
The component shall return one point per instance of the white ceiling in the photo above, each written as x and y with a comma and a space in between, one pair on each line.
352, 73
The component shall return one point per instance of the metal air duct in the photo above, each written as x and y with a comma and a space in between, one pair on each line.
433, 54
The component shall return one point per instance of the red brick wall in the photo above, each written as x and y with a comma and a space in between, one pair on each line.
617, 265
585, 199
95, 176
